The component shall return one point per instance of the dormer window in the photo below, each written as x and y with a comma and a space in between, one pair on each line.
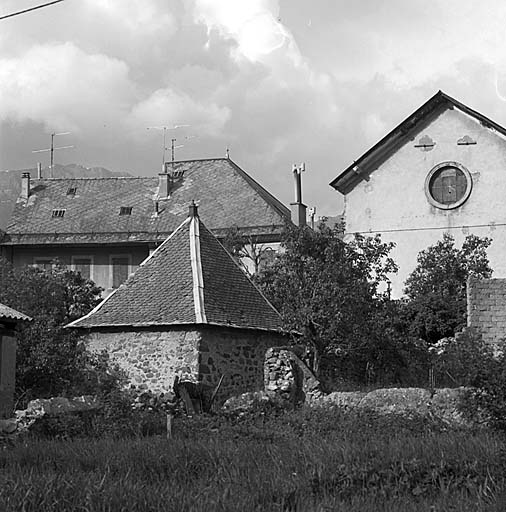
125, 210
59, 212
71, 191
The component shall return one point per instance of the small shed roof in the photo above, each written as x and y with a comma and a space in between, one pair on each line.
7, 313
189, 279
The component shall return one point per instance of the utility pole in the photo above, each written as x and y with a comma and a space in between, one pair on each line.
52, 149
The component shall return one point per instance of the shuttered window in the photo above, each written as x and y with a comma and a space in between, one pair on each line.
120, 269
82, 264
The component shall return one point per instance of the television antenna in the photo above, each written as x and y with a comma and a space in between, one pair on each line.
165, 128
52, 149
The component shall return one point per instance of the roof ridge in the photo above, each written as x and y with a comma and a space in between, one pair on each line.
244, 273
344, 184
196, 264
260, 190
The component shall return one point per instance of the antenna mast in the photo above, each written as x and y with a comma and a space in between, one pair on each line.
52, 149
165, 128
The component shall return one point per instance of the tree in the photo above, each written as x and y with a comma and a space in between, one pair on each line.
50, 359
329, 290
436, 289
246, 250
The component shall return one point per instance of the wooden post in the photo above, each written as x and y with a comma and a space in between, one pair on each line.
170, 417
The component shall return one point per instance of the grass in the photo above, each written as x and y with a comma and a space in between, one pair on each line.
307, 460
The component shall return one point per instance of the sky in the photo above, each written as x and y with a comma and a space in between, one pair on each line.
277, 82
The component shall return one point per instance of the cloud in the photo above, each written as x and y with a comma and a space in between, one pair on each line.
63, 87
254, 25
167, 107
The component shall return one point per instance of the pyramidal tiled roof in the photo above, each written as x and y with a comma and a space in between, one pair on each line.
189, 279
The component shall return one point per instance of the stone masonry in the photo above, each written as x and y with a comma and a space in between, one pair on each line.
153, 357
486, 309
288, 376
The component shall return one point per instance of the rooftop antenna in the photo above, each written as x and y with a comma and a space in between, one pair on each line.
165, 128
227, 153
52, 149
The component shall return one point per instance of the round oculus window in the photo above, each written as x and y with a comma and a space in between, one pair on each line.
448, 185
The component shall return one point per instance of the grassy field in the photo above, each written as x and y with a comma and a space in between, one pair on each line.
308, 460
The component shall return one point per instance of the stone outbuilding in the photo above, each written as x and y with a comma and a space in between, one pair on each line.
9, 318
187, 311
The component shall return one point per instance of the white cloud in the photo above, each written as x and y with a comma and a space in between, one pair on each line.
166, 107
254, 25
64, 88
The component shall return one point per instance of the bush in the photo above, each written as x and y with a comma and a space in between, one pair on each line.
460, 360
487, 398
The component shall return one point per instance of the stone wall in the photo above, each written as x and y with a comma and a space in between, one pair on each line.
287, 375
7, 373
486, 309
151, 358
238, 355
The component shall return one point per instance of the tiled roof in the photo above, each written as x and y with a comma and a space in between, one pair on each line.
189, 279
228, 196
7, 313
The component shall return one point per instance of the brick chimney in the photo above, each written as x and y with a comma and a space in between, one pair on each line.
25, 185
298, 209
163, 184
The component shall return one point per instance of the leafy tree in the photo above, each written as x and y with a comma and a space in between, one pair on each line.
436, 289
50, 359
329, 290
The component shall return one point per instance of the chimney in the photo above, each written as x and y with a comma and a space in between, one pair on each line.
163, 184
39, 170
298, 208
25, 185
193, 209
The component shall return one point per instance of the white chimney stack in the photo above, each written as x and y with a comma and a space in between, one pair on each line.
25, 185
298, 208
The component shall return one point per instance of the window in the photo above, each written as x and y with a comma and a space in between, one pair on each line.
125, 210
71, 191
60, 212
43, 263
448, 185
83, 265
120, 269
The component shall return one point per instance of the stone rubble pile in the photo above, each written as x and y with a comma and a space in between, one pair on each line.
24, 419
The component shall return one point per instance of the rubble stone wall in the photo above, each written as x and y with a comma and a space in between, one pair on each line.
151, 358
486, 309
7, 373
238, 355
288, 376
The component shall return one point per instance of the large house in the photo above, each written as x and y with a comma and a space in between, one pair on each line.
105, 227
443, 169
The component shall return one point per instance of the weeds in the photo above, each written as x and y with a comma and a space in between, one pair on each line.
307, 460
